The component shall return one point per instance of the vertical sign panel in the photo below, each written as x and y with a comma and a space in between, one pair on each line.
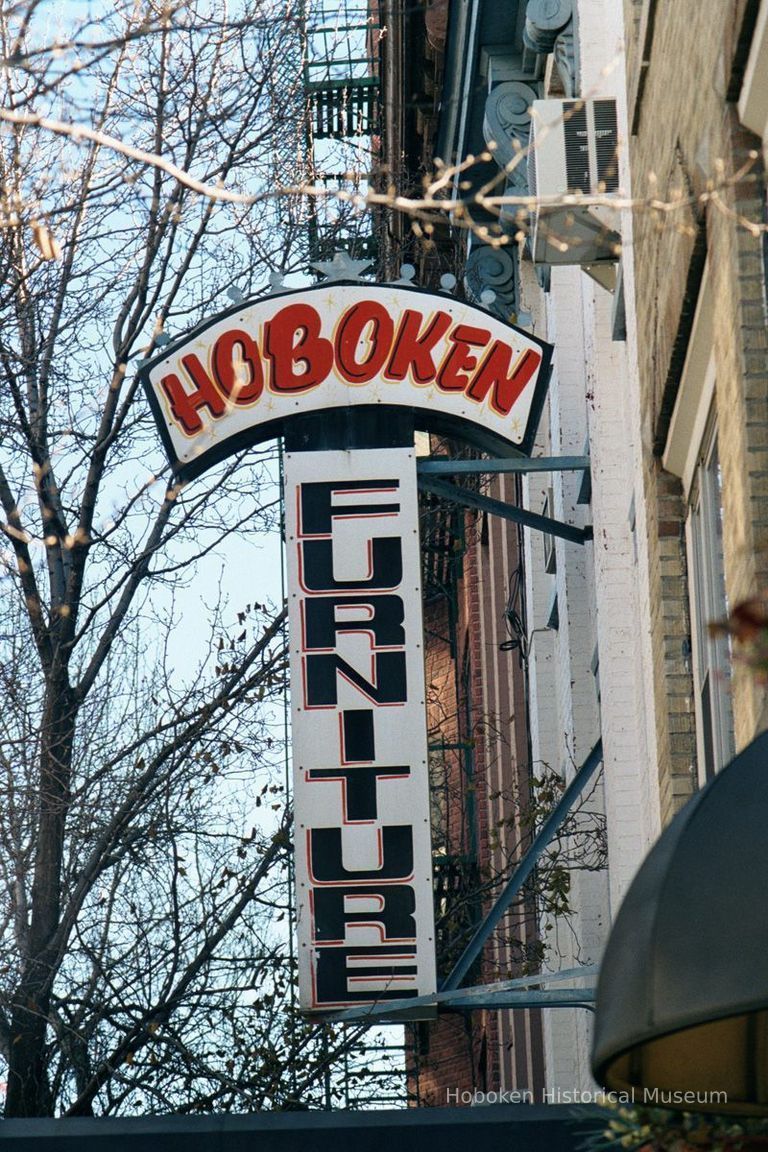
363, 854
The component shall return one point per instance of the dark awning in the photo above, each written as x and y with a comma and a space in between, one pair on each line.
682, 1002
495, 1128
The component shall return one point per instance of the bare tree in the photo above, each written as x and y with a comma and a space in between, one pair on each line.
143, 826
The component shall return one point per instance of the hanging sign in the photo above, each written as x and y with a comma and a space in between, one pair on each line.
361, 789
238, 379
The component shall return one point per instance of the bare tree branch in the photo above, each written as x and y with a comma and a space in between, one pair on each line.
80, 132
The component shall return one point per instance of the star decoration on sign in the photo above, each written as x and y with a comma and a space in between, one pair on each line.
342, 267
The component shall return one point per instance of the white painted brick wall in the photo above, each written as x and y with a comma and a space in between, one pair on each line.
563, 694
602, 589
616, 428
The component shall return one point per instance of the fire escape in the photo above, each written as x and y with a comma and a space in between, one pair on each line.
343, 42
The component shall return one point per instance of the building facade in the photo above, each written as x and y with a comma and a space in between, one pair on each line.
602, 167
656, 306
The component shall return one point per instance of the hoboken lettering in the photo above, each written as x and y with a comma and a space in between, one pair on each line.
295, 354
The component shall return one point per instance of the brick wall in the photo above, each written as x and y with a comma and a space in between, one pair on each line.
741, 346
688, 145
476, 701
493, 573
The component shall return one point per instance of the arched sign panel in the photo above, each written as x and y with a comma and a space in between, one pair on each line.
239, 378
365, 919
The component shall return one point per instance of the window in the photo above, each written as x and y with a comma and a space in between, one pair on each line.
711, 656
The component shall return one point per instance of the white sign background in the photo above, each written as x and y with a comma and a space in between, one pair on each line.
402, 801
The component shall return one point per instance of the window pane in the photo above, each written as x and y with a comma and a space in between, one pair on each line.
708, 603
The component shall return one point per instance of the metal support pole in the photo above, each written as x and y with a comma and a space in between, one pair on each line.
507, 511
442, 466
534, 979
526, 866
470, 1000
565, 998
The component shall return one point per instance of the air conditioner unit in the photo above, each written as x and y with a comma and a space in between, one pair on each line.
573, 153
